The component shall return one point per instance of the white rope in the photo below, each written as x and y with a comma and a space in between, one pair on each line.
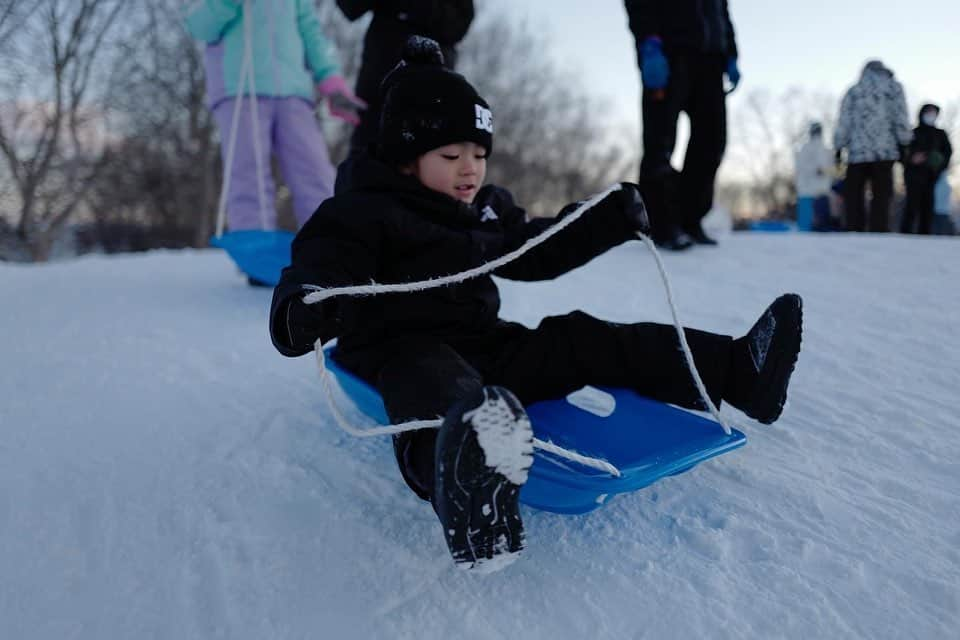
319, 294
687, 354
412, 425
232, 145
246, 75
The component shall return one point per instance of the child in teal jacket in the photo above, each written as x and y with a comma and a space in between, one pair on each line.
291, 62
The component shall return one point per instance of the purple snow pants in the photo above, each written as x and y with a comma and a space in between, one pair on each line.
289, 130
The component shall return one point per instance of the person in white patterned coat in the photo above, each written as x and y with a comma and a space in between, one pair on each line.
873, 127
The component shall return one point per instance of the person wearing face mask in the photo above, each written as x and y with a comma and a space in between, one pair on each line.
925, 160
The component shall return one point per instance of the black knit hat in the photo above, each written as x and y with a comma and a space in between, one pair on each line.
426, 106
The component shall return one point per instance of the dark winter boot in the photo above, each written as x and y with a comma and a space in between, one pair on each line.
484, 450
762, 360
673, 239
696, 233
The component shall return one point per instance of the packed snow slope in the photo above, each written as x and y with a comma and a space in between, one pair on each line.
164, 473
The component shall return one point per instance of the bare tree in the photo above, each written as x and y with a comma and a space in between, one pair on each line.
164, 173
52, 131
550, 145
765, 132
13, 14
119, 137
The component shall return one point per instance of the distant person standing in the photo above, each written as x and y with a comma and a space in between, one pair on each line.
684, 50
814, 175
873, 127
925, 160
291, 63
445, 21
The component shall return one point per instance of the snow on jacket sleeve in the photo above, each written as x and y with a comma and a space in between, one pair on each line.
320, 58
206, 19
332, 249
600, 228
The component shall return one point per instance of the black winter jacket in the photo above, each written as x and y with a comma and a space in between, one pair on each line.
935, 143
388, 228
702, 26
446, 21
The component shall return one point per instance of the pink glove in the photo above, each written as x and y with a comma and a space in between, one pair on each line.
341, 100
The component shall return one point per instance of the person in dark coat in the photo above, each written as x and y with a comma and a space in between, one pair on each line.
926, 158
684, 49
444, 21
416, 209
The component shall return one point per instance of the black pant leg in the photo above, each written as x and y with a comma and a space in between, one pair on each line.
420, 380
910, 206
881, 184
925, 211
568, 352
658, 178
853, 200
708, 140
919, 197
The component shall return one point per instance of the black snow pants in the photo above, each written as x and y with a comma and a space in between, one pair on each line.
421, 378
880, 176
920, 183
695, 87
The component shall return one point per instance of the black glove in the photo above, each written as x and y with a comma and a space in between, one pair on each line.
304, 323
634, 208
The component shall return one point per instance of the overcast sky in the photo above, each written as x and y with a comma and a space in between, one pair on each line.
814, 44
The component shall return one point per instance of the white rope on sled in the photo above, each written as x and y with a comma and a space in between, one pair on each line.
246, 77
687, 354
435, 423
319, 294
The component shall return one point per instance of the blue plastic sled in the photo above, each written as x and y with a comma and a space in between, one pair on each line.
645, 439
262, 255
771, 226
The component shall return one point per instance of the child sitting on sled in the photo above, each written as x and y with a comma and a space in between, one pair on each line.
416, 209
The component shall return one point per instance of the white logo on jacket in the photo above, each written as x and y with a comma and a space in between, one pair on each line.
484, 118
488, 214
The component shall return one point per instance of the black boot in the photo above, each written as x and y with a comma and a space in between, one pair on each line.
484, 451
698, 236
673, 239
762, 360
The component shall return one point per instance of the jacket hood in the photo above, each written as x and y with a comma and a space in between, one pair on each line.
876, 68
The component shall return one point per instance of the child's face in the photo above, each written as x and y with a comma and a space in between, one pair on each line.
455, 169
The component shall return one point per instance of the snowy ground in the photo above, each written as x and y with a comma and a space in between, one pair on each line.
165, 474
